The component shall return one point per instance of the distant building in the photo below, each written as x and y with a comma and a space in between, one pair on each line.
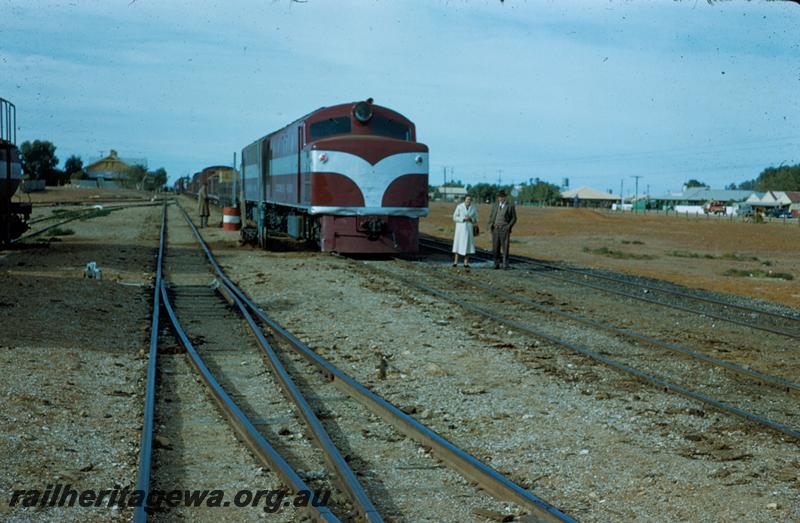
768, 200
698, 196
112, 167
588, 197
794, 201
451, 194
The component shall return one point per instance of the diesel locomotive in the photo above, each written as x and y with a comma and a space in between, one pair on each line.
351, 178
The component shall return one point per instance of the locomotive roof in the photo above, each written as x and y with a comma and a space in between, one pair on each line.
331, 108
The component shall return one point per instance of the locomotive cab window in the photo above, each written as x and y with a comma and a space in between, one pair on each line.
330, 127
383, 126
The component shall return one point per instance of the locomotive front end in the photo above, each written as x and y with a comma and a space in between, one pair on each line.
368, 179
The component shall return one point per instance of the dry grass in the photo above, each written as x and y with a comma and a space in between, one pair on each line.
758, 273
620, 255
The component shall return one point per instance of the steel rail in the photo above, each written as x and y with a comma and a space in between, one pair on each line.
585, 272
88, 215
146, 441
744, 371
89, 209
333, 457
467, 465
257, 443
653, 301
656, 288
641, 375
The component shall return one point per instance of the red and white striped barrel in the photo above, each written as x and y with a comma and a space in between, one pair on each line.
231, 219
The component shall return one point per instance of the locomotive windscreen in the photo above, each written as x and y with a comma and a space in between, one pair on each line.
383, 126
330, 127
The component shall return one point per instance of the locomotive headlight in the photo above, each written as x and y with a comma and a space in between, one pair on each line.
418, 160
323, 158
363, 112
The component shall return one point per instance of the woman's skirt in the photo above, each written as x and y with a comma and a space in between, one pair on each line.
464, 241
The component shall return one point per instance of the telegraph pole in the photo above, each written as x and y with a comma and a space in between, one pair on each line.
636, 194
621, 194
234, 202
444, 187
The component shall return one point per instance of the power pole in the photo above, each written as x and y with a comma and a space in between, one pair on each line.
444, 187
636, 194
234, 202
621, 194
499, 177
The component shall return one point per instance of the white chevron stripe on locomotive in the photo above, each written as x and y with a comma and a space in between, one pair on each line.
373, 180
16, 170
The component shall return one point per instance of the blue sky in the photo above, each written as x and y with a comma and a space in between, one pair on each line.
593, 91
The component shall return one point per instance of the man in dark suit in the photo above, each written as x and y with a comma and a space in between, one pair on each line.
501, 221
202, 205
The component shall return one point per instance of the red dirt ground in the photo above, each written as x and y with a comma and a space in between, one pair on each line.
571, 235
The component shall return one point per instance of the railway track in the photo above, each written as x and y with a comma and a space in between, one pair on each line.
323, 437
193, 440
78, 214
695, 375
778, 323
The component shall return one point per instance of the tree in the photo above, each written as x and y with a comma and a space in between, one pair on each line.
486, 192
695, 183
730, 187
140, 178
159, 178
39, 160
540, 191
134, 176
73, 165
781, 178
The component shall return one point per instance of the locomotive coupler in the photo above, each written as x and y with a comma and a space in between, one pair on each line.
374, 228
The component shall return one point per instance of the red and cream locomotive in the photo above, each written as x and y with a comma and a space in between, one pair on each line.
350, 177
13, 215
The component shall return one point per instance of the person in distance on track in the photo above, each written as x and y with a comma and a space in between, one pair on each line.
466, 218
501, 221
202, 205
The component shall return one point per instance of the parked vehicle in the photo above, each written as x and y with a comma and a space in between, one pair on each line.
779, 213
714, 207
745, 210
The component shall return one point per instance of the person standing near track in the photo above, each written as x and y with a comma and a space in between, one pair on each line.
466, 218
501, 221
202, 205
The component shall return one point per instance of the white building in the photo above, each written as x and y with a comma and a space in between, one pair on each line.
451, 194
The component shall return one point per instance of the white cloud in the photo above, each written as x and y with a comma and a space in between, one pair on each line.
524, 87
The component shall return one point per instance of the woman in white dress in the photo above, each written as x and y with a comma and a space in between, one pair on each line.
465, 217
